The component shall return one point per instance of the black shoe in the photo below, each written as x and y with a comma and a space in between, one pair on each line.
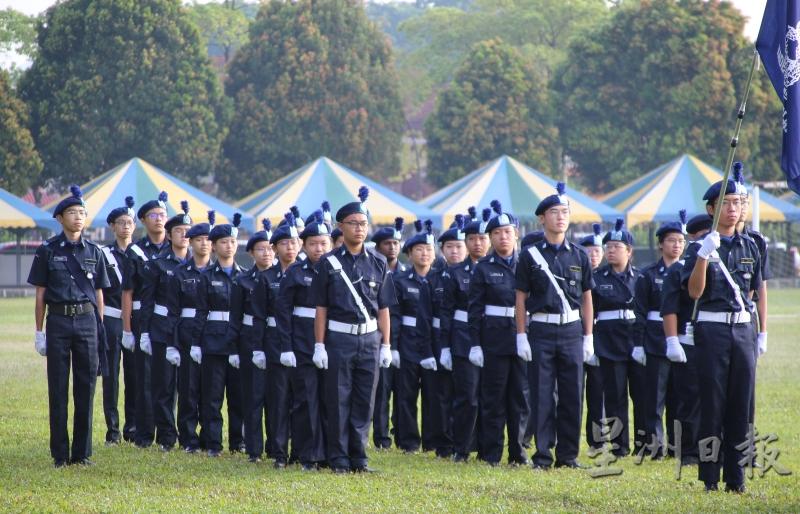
165, 448
691, 460
340, 471
572, 464
279, 464
711, 486
735, 489
239, 449
540, 467
460, 457
309, 466
444, 454
82, 462
492, 463
519, 462
253, 459
127, 438
112, 442
214, 453
364, 469
142, 446
410, 451
59, 464
191, 449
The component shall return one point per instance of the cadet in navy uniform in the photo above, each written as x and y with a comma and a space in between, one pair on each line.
676, 311
182, 305
294, 315
69, 273
659, 381
352, 292
455, 337
553, 283
412, 337
622, 359
277, 393
593, 244
504, 379
219, 366
387, 242
159, 326
246, 333
122, 221
722, 274
154, 215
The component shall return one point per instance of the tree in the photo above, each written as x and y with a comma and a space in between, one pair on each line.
223, 26
316, 78
20, 164
496, 105
17, 36
661, 78
115, 79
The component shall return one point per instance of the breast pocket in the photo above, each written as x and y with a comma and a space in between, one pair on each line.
369, 286
189, 286
743, 274
58, 274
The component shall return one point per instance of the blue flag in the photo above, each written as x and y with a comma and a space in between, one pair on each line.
777, 44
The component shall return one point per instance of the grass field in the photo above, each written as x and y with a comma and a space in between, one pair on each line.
128, 479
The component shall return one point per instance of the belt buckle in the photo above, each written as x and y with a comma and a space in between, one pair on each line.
73, 310
562, 319
354, 329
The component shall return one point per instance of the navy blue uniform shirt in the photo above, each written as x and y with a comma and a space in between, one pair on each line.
156, 276
215, 295
570, 266
649, 287
264, 304
614, 339
455, 297
414, 300
182, 293
492, 283
137, 254
296, 333
246, 338
112, 295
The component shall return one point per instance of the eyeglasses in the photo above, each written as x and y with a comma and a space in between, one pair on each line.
675, 241
78, 213
180, 232
124, 223
356, 224
157, 216
262, 251
615, 246
732, 203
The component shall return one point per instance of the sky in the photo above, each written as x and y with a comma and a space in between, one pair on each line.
753, 9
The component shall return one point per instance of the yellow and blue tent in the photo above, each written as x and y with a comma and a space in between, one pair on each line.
143, 181
325, 179
518, 187
17, 214
679, 184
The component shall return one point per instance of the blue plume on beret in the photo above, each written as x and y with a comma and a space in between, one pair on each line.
76, 191
486, 214
317, 215
398, 224
561, 188
618, 224
418, 226
162, 196
237, 219
267, 224
295, 211
326, 207
460, 221
428, 226
212, 217
473, 213
185, 206
363, 193
129, 202
289, 217
738, 176
682, 216
496, 206
596, 228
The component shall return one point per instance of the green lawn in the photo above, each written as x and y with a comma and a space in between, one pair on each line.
127, 479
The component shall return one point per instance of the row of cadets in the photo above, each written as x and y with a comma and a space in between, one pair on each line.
158, 327
294, 315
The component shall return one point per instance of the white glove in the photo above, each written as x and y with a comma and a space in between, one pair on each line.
446, 359
196, 354
173, 356
476, 356
288, 359
145, 345
128, 341
675, 351
524, 348
320, 357
593, 361
260, 359
762, 343
385, 356
429, 363
40, 342
588, 348
710, 244
639, 355
233, 360
396, 359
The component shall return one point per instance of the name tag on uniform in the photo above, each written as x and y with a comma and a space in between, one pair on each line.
465, 280
413, 290
59, 258
307, 280
90, 262
605, 287
747, 260
217, 283
169, 272
496, 274
658, 281
576, 269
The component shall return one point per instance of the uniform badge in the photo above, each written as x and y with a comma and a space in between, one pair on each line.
372, 283
217, 283
747, 260
90, 275
575, 269
413, 290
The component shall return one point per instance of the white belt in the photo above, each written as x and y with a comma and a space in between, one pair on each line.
556, 319
247, 319
188, 312
409, 321
271, 322
160, 310
654, 316
618, 314
354, 329
305, 312
688, 341
219, 316
137, 305
111, 312
437, 323
728, 318
499, 310
460, 316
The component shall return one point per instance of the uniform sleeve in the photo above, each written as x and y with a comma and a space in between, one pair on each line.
671, 292
522, 279
201, 314
284, 305
448, 308
763, 252
236, 309
150, 271
587, 281
689, 263
172, 301
755, 282
129, 271
319, 286
641, 297
396, 313
476, 304
258, 303
387, 296
101, 279
38, 273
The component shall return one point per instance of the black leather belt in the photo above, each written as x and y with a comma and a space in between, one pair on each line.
70, 309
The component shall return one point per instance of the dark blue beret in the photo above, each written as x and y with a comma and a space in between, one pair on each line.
315, 226
593, 239
75, 198
179, 219
393, 232
226, 229
531, 238
422, 237
501, 219
455, 232
122, 211
619, 234
699, 223
153, 204
478, 226
261, 235
559, 198
712, 193
354, 207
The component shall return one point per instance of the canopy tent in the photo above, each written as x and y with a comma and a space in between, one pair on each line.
143, 181
519, 189
324, 179
679, 184
17, 216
